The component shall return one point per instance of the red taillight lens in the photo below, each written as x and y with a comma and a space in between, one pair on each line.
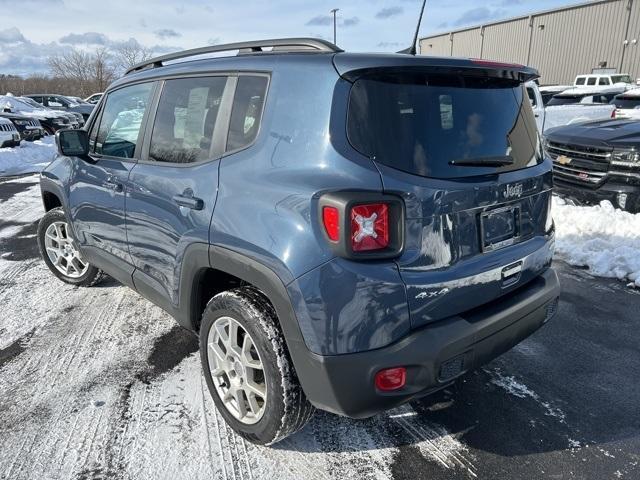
331, 221
369, 227
391, 379
613, 114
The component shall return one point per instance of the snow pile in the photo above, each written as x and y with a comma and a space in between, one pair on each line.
29, 157
601, 237
559, 115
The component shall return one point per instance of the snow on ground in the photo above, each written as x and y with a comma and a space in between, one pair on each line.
602, 238
29, 157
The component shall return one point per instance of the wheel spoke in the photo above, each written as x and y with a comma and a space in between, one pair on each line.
255, 388
238, 395
253, 402
246, 358
217, 351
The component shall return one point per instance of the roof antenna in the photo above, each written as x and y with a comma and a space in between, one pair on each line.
412, 49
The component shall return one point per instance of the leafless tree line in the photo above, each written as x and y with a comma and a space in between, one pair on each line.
79, 72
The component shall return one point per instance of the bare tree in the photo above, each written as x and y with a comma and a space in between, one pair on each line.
88, 71
130, 53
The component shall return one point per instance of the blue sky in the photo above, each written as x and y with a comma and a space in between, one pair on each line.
38, 28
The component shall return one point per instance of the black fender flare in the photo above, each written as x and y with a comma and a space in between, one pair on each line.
266, 280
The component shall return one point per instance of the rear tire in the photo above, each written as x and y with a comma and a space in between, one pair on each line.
275, 405
60, 253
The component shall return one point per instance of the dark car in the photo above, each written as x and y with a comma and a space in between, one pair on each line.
60, 102
343, 231
51, 120
29, 128
597, 161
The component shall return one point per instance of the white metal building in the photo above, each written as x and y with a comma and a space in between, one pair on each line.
560, 43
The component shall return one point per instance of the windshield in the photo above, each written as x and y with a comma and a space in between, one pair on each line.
422, 124
626, 102
30, 102
621, 79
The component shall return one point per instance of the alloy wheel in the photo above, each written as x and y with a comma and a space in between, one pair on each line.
237, 370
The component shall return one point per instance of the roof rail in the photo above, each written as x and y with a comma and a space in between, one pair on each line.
278, 44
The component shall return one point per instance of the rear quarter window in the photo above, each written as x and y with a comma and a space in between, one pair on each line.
246, 113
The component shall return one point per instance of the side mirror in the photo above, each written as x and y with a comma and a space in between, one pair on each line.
73, 143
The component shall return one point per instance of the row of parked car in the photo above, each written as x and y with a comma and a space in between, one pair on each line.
591, 131
31, 117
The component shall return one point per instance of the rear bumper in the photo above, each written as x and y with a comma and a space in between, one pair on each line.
434, 355
610, 191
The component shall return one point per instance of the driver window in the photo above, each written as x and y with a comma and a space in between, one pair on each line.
119, 130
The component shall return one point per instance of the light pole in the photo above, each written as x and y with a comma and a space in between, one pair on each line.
334, 11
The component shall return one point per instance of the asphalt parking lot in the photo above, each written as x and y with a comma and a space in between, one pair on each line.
99, 383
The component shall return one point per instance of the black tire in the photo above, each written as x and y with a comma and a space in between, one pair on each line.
287, 409
91, 277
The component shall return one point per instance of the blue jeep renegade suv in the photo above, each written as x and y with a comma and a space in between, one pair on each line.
343, 231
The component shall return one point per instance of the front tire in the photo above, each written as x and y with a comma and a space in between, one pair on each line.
248, 369
60, 253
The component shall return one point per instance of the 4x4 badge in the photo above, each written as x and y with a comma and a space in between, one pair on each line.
513, 191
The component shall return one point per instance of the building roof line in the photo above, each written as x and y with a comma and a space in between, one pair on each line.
519, 17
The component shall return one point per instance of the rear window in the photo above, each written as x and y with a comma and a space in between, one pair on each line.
421, 123
565, 100
626, 102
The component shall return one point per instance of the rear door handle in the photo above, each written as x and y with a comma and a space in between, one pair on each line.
193, 203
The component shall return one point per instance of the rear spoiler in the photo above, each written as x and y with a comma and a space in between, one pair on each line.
353, 66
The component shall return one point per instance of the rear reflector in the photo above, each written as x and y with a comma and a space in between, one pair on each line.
391, 379
369, 227
331, 222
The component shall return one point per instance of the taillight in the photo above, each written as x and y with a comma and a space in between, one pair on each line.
362, 225
613, 114
369, 227
391, 379
331, 221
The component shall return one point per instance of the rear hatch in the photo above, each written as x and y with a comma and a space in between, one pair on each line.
458, 141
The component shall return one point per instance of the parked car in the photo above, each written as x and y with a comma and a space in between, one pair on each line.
9, 136
602, 79
60, 102
51, 120
566, 113
628, 104
548, 91
29, 128
77, 100
586, 95
351, 255
93, 99
597, 161
76, 119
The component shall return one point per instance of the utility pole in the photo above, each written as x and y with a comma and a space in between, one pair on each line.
334, 11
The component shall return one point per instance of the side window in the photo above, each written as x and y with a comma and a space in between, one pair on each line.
580, 80
185, 120
532, 96
247, 111
591, 81
54, 102
121, 119
603, 81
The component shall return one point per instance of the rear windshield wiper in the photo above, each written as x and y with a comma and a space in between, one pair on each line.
500, 161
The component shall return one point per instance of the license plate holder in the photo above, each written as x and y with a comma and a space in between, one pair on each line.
500, 227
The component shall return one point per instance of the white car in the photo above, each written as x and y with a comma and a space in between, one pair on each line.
603, 80
93, 99
628, 104
586, 95
568, 111
9, 136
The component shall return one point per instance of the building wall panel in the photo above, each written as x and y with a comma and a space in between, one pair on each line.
560, 44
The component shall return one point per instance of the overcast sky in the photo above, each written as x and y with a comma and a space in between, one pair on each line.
30, 30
